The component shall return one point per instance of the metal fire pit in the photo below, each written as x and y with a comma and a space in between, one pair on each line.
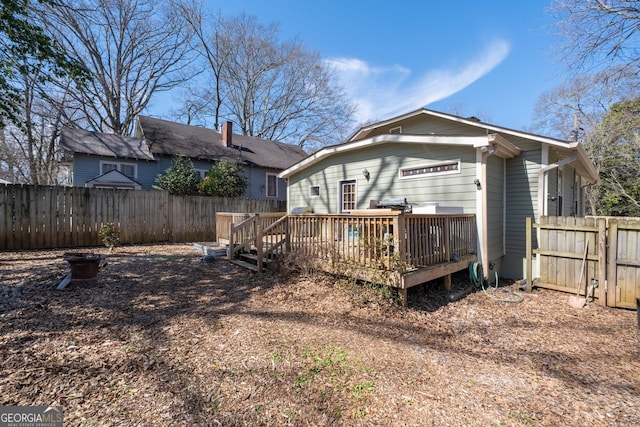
84, 268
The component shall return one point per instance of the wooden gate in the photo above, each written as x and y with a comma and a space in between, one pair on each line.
612, 257
623, 273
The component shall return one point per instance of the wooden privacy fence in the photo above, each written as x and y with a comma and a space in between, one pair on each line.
612, 261
38, 217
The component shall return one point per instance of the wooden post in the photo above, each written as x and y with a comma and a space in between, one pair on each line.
259, 243
399, 224
612, 261
447, 238
447, 282
230, 247
602, 261
402, 295
529, 249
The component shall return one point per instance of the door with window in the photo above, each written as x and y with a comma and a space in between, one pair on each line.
347, 196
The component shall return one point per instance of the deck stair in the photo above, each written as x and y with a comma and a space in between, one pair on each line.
250, 261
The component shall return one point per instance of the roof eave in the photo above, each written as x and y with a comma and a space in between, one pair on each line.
472, 141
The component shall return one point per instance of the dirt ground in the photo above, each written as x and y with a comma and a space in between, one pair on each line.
166, 339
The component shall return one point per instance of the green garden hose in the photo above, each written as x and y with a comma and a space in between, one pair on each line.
477, 280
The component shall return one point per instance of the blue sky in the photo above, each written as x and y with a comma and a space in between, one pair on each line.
488, 58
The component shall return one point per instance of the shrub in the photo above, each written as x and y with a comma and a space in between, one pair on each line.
225, 179
180, 178
110, 235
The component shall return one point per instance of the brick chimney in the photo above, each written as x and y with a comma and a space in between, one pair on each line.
227, 132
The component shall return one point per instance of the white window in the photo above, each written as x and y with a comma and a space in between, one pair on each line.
128, 169
347, 196
314, 191
272, 185
440, 168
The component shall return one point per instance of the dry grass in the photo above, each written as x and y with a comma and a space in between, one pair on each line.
168, 340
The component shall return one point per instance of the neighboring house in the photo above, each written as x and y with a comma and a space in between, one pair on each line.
442, 163
115, 161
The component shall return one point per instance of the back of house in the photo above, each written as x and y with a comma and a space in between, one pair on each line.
440, 163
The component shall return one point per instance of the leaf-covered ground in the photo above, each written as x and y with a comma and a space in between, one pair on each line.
166, 339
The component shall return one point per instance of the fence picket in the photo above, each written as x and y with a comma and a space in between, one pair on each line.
39, 217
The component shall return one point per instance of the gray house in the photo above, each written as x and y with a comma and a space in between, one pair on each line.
440, 163
114, 161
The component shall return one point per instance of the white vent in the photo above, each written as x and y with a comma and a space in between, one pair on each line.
397, 129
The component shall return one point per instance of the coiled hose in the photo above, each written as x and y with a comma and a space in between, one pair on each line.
477, 280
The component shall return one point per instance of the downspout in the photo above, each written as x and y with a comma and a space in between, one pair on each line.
483, 242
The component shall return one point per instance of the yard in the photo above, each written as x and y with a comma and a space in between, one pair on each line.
166, 339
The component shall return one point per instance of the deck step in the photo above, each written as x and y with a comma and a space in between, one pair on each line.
245, 264
254, 258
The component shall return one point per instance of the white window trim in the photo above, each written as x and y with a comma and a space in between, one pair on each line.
311, 195
340, 182
430, 174
266, 185
118, 167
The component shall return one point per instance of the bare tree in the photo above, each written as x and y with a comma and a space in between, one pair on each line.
270, 89
133, 50
599, 33
575, 111
29, 152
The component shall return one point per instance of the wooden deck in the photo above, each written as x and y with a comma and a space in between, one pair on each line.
379, 246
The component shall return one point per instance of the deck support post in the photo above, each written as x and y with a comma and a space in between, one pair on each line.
402, 295
447, 282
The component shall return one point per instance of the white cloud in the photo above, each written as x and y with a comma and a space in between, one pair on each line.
381, 92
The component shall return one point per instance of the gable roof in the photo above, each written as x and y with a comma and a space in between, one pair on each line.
491, 135
103, 144
169, 138
113, 178
363, 132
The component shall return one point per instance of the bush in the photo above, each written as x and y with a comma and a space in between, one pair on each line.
225, 179
110, 235
180, 178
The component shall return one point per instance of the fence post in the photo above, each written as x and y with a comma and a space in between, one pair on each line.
529, 248
602, 261
612, 261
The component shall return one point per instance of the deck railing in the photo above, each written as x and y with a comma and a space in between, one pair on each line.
224, 219
387, 241
433, 239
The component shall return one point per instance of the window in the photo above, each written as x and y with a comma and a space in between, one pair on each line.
128, 169
442, 168
272, 185
347, 195
314, 191
202, 173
